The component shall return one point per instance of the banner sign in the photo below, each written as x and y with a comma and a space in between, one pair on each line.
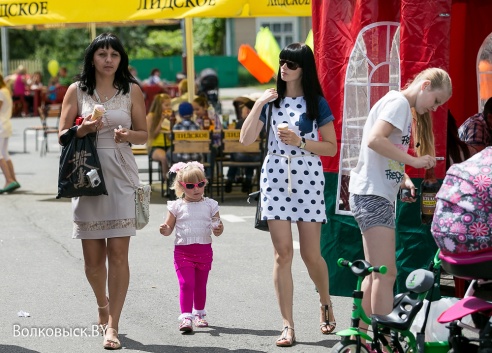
279, 8
232, 134
14, 13
190, 135
17, 13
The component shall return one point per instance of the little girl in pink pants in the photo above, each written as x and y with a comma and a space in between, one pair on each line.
195, 218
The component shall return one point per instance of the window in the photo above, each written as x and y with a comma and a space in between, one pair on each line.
284, 29
484, 72
372, 71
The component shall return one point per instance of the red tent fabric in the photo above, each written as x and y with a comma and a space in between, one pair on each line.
426, 29
336, 24
470, 26
424, 42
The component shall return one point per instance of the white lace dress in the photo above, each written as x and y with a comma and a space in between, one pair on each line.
112, 215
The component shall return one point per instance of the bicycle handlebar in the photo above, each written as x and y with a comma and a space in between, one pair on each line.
361, 268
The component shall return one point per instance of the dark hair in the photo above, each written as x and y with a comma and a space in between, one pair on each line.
248, 104
122, 78
302, 54
201, 101
487, 108
152, 73
454, 145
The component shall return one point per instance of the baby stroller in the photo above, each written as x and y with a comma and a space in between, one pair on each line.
479, 270
462, 228
208, 85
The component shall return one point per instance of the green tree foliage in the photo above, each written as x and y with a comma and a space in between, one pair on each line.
208, 39
160, 43
67, 45
208, 36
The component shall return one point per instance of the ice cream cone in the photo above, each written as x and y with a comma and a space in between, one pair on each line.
98, 111
283, 126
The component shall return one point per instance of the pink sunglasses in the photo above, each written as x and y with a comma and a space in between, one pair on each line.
191, 186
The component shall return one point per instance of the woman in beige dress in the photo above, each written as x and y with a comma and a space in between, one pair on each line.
105, 223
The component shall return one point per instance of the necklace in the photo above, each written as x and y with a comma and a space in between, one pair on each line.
104, 95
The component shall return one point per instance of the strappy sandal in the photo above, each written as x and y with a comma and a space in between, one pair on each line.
200, 321
112, 344
326, 327
284, 340
102, 327
186, 325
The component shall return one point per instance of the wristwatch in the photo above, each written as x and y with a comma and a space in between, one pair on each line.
303, 143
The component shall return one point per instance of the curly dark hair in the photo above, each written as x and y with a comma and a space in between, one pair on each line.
123, 78
302, 54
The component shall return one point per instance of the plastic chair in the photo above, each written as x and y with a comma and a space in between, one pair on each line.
60, 94
48, 111
231, 144
159, 172
19, 106
150, 92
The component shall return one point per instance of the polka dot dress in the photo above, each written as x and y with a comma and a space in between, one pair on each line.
306, 200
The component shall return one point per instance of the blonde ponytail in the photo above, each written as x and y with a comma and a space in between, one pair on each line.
423, 136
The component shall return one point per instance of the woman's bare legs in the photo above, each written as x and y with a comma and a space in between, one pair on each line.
117, 276
281, 234
7, 170
10, 166
309, 240
379, 249
95, 270
118, 280
160, 155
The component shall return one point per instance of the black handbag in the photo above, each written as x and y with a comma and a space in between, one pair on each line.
80, 172
262, 224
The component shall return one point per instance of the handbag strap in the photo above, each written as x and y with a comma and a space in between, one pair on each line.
269, 118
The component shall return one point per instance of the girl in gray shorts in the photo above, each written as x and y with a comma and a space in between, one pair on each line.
380, 173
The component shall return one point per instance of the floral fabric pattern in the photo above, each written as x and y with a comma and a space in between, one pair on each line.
463, 220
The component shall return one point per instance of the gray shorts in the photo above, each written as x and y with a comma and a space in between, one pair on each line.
372, 211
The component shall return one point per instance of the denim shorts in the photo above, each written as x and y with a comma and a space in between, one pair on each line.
372, 211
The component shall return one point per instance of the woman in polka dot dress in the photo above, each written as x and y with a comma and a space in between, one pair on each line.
292, 180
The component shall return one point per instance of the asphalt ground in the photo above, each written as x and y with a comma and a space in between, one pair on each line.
43, 275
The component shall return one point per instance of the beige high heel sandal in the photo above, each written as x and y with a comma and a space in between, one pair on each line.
284, 340
112, 344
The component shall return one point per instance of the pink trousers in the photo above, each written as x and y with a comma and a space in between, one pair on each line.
192, 263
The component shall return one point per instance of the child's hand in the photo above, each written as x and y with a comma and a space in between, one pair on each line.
218, 230
165, 229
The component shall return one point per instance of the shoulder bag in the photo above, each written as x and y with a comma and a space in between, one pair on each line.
262, 224
80, 172
142, 196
